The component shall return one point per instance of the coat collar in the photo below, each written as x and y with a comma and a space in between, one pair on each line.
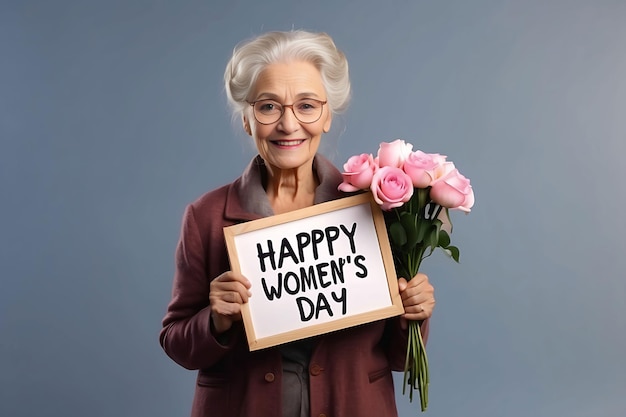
247, 200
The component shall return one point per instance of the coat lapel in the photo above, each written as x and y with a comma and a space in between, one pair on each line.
247, 200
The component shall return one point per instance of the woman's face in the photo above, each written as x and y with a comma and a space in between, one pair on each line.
288, 143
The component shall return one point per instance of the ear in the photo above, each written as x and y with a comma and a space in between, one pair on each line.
328, 122
246, 125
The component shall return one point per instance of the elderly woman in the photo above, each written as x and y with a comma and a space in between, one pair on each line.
286, 86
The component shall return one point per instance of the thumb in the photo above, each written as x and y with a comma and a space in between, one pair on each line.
402, 284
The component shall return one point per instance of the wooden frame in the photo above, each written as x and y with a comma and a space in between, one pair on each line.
288, 269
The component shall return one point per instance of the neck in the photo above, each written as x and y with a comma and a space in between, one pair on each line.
291, 189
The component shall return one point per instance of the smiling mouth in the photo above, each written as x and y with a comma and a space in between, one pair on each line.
294, 142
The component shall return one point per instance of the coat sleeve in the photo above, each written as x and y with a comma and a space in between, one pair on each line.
186, 335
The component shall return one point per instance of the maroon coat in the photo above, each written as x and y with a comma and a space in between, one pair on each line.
350, 370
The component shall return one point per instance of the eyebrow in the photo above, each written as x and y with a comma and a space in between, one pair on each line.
300, 96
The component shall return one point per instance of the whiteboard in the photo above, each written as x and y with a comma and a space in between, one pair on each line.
314, 270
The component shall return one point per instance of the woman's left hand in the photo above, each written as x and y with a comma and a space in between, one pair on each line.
418, 297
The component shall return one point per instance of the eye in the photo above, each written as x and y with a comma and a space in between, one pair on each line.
308, 106
267, 106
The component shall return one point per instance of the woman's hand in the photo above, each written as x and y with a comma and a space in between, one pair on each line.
228, 292
418, 297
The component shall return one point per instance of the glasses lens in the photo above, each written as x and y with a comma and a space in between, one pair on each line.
270, 111
267, 111
308, 110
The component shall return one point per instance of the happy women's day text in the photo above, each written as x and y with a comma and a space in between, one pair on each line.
313, 276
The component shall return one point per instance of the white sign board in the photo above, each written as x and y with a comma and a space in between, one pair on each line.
314, 270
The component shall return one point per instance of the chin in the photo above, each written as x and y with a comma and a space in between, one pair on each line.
287, 163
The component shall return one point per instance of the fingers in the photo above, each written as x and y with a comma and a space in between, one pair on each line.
226, 295
231, 276
417, 297
420, 311
231, 287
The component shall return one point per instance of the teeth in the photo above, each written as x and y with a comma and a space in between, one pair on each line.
288, 142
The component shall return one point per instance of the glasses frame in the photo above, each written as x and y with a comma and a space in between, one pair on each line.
284, 107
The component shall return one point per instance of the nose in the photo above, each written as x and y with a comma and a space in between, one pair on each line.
288, 121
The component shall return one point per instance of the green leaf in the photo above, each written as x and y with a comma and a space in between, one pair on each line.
408, 223
397, 234
429, 241
454, 252
422, 198
432, 237
422, 229
444, 239
436, 230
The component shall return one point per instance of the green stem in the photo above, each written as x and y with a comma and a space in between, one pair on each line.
416, 366
408, 262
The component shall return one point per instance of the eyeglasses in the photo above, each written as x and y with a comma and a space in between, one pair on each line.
307, 110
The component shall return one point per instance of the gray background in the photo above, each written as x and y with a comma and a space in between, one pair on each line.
113, 117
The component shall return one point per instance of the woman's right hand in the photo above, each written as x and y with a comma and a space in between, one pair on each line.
227, 293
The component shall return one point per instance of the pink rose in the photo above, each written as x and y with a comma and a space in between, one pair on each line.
358, 173
453, 191
442, 170
393, 154
391, 187
421, 167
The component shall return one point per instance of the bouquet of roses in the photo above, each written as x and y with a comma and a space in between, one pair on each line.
415, 191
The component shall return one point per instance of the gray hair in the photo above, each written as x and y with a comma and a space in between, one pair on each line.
251, 57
